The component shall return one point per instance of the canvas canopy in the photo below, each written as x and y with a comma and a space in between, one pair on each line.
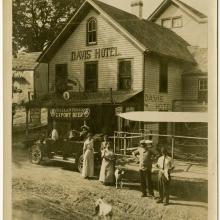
146, 116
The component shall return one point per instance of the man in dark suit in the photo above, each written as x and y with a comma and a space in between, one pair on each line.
145, 166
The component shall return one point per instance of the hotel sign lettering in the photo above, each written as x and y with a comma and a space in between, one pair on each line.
96, 53
70, 113
156, 102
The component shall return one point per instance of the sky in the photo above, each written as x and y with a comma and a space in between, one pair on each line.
151, 5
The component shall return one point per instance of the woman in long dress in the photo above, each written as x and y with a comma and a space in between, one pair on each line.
105, 143
108, 164
88, 157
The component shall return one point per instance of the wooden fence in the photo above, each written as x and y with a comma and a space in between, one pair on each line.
126, 142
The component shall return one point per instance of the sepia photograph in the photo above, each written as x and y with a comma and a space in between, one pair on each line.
110, 110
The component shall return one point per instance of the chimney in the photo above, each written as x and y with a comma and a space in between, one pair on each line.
137, 7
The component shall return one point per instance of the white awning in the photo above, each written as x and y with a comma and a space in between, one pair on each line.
165, 116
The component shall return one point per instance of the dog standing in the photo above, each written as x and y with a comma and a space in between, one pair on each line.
119, 174
103, 210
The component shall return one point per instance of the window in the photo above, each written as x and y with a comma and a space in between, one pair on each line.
177, 22
91, 76
167, 23
203, 84
163, 78
172, 22
61, 78
124, 70
91, 31
203, 91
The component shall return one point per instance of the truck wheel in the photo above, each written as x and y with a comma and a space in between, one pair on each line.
80, 164
35, 154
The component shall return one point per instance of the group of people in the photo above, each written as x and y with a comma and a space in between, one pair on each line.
145, 156
72, 134
108, 160
164, 164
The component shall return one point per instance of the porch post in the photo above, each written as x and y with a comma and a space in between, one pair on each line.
173, 138
172, 146
27, 122
114, 141
125, 144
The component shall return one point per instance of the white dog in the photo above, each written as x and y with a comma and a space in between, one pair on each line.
119, 174
103, 210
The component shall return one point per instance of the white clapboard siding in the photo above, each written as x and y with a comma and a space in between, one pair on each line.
108, 36
151, 83
200, 30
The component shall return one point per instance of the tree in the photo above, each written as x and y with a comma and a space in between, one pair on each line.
37, 22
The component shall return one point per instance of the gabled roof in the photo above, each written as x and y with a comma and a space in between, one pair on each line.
149, 37
199, 16
201, 61
25, 61
193, 10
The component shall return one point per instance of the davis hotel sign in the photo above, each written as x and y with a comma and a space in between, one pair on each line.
156, 102
94, 54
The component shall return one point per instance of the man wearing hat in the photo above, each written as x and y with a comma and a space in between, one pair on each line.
145, 166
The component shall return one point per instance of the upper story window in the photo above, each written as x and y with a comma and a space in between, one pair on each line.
174, 22
167, 23
91, 31
124, 74
163, 77
177, 22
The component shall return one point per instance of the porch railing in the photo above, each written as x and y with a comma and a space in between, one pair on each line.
126, 142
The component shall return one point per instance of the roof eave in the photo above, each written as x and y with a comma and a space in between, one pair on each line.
23, 69
42, 56
115, 23
163, 5
192, 61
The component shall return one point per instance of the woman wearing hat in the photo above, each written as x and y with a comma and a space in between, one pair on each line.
88, 157
84, 132
145, 166
108, 163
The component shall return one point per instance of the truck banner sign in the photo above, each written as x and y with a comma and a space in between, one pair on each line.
69, 113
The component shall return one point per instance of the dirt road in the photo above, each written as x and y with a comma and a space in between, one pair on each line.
51, 191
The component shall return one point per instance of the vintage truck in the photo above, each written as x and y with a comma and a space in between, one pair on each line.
67, 151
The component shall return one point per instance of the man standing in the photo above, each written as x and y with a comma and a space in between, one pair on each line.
165, 164
145, 166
